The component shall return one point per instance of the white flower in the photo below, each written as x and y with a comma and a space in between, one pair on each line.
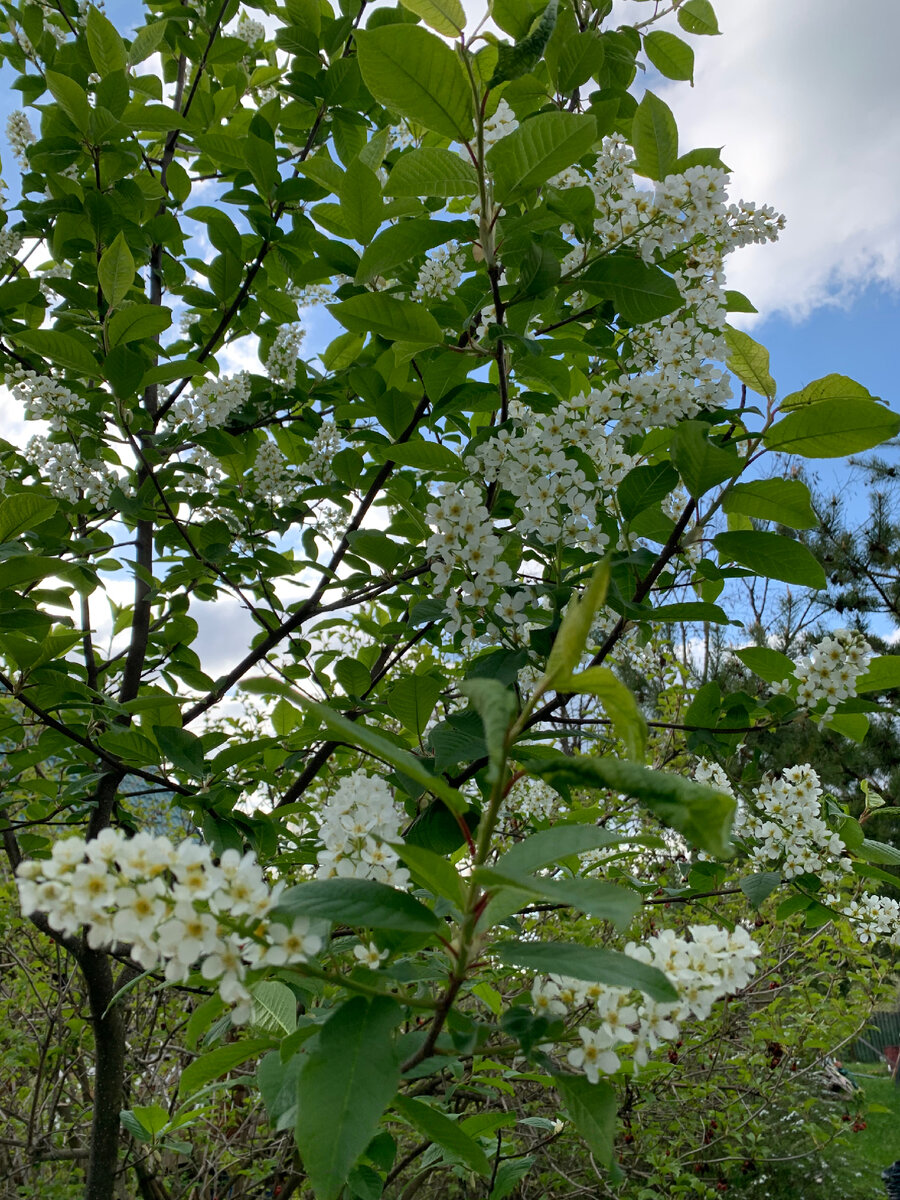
594, 1055
290, 944
370, 955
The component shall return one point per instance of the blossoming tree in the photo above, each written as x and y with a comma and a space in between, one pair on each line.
515, 451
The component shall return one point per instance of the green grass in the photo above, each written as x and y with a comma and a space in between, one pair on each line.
858, 1160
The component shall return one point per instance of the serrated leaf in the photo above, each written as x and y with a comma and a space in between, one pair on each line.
589, 963
362, 902
436, 1127
882, 675
65, 349
401, 243
829, 387
116, 271
700, 462
430, 171
592, 1108
654, 136
138, 321
218, 1062
619, 705
71, 98
413, 72
538, 149
572, 635
412, 700
22, 511
750, 362
759, 887
701, 814
274, 1007
345, 1085
435, 872
786, 501
833, 428
496, 705
552, 845
395, 320
698, 16
768, 664
771, 556
670, 55
106, 46
446, 16
640, 291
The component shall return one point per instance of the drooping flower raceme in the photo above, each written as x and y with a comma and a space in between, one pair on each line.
173, 906
357, 824
704, 968
212, 403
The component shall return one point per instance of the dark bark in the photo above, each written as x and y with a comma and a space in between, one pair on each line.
109, 1061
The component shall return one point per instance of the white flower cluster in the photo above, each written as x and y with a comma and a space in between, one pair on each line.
500, 123
249, 31
212, 403
712, 964
357, 824
10, 244
787, 827
19, 133
44, 397
281, 361
172, 905
326, 442
539, 465
272, 476
69, 475
830, 671
874, 917
440, 274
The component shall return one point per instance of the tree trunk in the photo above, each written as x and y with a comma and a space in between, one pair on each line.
109, 1058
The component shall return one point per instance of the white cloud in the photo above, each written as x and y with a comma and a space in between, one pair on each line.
804, 97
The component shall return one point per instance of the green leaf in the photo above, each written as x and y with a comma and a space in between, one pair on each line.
771, 556
446, 16
358, 902
572, 635
138, 321
879, 852
515, 61
426, 456
786, 501
592, 1109
700, 462
619, 705
703, 815
218, 1062
116, 270
750, 362
147, 41
768, 664
412, 700
413, 72
71, 98
833, 428
698, 16
580, 59
670, 55
398, 244
62, 348
552, 845
538, 149
829, 387
883, 673
654, 136
361, 201
432, 1124
24, 511
347, 1082
153, 1117
589, 963
759, 887
516, 17
274, 1007
354, 733
395, 320
643, 486
435, 872
496, 705
640, 291
181, 747
596, 897
849, 724
106, 46
431, 172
